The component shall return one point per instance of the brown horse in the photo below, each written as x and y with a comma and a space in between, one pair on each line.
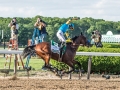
43, 50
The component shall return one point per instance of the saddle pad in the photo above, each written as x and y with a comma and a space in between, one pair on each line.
54, 47
54, 43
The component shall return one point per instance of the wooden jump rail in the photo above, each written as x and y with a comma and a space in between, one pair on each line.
90, 54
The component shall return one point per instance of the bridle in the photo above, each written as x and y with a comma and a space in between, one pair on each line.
74, 45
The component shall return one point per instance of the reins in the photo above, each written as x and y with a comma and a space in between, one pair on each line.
74, 44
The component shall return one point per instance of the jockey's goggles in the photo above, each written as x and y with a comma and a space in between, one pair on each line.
71, 26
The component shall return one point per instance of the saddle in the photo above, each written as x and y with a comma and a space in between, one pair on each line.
54, 47
58, 48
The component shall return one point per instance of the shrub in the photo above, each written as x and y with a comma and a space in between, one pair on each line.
100, 64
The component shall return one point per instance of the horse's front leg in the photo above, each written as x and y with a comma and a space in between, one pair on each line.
70, 63
71, 69
79, 68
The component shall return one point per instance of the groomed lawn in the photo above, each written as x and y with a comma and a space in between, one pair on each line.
35, 62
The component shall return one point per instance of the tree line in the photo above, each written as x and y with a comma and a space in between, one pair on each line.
85, 25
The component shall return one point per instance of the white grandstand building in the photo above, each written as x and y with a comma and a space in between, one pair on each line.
110, 38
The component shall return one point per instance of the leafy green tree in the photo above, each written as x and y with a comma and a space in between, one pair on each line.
85, 25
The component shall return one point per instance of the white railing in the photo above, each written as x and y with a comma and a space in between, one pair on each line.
111, 38
10, 51
78, 53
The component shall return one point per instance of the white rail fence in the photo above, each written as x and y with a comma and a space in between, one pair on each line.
90, 54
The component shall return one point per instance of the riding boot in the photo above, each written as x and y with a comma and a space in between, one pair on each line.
59, 44
61, 49
60, 56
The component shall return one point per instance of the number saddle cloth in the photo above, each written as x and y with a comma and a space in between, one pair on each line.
55, 47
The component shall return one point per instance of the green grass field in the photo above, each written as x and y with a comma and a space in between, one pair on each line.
34, 62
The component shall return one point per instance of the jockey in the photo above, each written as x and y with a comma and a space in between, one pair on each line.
60, 34
14, 28
63, 29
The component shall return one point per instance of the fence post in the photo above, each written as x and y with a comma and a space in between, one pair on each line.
89, 67
15, 64
69, 77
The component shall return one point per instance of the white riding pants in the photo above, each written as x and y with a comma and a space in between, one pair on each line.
61, 36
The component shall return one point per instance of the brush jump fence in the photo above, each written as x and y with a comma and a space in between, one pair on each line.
90, 54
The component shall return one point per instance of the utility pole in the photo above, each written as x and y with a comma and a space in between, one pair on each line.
4, 43
3, 39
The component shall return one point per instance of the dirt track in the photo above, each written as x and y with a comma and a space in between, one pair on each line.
48, 81
55, 84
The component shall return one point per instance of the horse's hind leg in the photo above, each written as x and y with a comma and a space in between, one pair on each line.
47, 60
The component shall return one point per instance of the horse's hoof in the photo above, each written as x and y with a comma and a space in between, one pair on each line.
53, 70
44, 68
76, 70
57, 74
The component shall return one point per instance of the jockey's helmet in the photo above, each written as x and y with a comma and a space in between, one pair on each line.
71, 26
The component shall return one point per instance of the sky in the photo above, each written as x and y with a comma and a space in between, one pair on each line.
108, 10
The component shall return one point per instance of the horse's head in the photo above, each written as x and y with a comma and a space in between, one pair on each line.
79, 40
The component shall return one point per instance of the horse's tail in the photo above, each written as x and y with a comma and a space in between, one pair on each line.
28, 51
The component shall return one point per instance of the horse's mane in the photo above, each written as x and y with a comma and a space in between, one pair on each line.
74, 38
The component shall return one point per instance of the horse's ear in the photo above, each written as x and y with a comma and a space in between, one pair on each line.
81, 33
